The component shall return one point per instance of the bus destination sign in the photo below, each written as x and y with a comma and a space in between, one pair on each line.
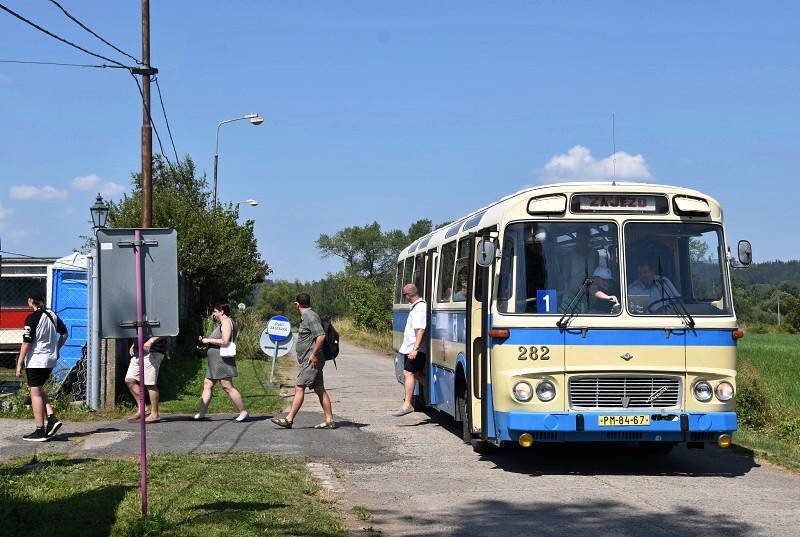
619, 203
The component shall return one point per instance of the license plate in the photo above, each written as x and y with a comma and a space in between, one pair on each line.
624, 420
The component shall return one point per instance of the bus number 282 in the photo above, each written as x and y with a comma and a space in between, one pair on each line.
534, 353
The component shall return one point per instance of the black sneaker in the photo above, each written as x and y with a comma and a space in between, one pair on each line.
53, 425
36, 436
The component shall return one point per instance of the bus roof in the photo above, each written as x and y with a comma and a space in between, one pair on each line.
491, 213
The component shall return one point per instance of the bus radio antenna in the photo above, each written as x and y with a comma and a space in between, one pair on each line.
613, 151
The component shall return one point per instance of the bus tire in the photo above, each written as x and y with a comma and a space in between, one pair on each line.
483, 448
659, 449
463, 411
418, 401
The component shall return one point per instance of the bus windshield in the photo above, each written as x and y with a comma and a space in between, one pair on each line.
674, 268
545, 266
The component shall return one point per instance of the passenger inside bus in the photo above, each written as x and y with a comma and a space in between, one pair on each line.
461, 293
605, 292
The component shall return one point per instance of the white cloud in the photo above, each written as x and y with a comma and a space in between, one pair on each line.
27, 192
579, 165
111, 190
86, 182
5, 212
95, 183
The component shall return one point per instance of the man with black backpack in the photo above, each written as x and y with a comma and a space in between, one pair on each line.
311, 357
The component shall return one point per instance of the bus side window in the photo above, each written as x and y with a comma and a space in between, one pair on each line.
398, 284
408, 275
419, 274
462, 271
445, 286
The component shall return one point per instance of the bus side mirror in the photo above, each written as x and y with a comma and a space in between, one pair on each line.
745, 253
486, 252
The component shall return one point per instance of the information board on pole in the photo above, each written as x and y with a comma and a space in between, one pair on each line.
159, 273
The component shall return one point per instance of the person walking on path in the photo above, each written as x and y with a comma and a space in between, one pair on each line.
42, 338
412, 347
221, 362
154, 349
310, 337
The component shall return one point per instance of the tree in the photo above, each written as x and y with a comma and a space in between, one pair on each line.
218, 258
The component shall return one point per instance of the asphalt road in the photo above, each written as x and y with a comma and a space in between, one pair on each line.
416, 477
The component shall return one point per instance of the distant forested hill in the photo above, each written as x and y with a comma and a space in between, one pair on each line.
771, 272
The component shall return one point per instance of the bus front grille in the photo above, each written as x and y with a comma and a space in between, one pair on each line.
624, 392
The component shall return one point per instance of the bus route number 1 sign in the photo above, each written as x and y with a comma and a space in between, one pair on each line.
546, 301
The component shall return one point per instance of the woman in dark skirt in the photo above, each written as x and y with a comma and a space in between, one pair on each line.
221, 369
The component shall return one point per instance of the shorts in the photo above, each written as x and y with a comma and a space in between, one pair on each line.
416, 365
37, 376
309, 376
152, 362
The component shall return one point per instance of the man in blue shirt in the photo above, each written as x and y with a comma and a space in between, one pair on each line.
654, 287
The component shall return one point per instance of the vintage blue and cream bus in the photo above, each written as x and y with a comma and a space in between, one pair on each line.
580, 312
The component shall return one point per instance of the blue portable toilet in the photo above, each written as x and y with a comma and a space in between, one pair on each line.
70, 301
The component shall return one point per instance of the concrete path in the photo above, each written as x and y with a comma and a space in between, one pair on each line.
416, 477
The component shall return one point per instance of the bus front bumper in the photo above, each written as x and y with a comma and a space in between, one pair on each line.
587, 426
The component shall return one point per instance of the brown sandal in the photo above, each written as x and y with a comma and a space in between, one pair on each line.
282, 422
326, 425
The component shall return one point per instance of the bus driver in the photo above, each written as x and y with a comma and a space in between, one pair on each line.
653, 288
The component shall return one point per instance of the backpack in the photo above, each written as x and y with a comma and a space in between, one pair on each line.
330, 347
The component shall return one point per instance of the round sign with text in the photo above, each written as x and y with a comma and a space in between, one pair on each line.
279, 328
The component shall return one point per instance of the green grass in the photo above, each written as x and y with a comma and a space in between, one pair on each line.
362, 513
232, 494
769, 397
777, 359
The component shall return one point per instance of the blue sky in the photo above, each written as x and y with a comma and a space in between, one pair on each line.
369, 105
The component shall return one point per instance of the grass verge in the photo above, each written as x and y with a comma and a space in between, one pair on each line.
377, 341
768, 403
232, 494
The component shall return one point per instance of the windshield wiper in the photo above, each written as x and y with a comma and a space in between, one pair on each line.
683, 313
568, 312
667, 297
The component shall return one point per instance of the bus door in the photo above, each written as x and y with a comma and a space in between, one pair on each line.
479, 378
426, 292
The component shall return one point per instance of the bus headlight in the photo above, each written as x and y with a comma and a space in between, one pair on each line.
724, 391
703, 391
545, 391
523, 391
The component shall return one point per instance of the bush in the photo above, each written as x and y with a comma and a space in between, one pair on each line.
370, 306
752, 402
789, 428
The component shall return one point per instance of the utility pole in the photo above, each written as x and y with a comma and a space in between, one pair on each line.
779, 310
147, 128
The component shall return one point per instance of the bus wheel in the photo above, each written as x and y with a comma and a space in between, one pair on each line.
418, 401
656, 448
483, 448
466, 429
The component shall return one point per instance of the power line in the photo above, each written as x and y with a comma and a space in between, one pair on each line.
54, 36
99, 66
79, 23
152, 124
169, 131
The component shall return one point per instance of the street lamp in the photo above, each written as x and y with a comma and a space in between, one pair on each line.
99, 212
255, 119
251, 202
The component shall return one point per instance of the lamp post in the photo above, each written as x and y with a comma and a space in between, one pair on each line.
251, 202
99, 212
255, 119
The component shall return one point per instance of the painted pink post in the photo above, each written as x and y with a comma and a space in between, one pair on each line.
137, 248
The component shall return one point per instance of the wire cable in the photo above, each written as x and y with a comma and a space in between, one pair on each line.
54, 36
169, 130
99, 66
152, 124
79, 23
